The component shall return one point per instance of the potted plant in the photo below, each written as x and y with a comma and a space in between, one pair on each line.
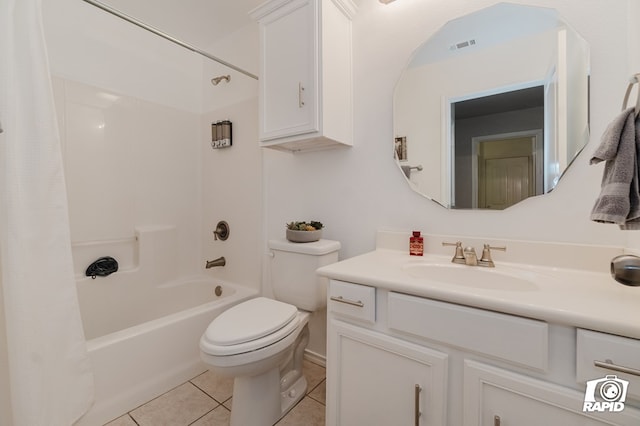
304, 232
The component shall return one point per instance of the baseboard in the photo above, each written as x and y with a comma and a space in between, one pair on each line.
315, 358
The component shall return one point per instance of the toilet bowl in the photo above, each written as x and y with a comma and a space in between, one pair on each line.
254, 353
261, 342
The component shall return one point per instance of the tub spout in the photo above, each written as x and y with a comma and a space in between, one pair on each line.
216, 262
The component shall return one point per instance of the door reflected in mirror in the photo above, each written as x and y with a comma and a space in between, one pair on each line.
503, 165
493, 108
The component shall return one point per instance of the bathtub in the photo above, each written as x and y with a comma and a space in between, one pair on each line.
146, 343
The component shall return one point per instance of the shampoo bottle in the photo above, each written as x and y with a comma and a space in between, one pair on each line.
416, 244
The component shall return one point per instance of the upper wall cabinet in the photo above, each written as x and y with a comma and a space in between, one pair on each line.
305, 74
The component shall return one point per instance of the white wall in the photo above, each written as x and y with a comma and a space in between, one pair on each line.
232, 177
151, 162
88, 45
6, 417
241, 49
357, 191
232, 190
354, 191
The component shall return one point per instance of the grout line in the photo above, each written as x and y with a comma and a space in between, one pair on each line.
202, 416
210, 411
205, 392
198, 375
220, 404
162, 394
319, 402
315, 387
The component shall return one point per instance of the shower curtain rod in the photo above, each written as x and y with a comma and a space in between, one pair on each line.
166, 36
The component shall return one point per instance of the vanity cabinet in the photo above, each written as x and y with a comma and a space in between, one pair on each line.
305, 86
392, 355
499, 397
598, 354
384, 381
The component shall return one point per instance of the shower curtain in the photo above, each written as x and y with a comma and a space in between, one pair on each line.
49, 371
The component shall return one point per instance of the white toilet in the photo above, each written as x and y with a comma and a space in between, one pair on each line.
261, 342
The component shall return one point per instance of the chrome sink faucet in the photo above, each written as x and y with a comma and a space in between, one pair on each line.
468, 256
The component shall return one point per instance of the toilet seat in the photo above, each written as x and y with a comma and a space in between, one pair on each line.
249, 326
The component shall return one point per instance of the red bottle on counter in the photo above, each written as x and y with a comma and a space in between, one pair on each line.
416, 244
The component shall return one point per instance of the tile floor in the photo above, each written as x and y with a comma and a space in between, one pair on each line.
205, 400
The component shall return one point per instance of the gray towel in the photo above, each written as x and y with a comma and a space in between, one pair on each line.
633, 218
619, 200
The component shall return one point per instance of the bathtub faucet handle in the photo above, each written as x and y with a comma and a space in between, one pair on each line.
222, 231
216, 262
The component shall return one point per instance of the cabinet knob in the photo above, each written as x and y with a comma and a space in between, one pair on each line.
496, 420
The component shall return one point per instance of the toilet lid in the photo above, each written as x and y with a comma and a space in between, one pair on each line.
249, 321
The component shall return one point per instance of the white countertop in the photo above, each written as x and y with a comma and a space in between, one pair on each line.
573, 297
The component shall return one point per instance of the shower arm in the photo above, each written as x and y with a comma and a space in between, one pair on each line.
166, 36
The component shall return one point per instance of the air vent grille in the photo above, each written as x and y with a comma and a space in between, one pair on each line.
463, 44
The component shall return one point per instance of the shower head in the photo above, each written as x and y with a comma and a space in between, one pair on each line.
218, 79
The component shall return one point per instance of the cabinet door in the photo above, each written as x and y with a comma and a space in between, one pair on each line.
288, 83
378, 380
497, 397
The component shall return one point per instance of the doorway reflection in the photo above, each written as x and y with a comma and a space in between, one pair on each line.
499, 148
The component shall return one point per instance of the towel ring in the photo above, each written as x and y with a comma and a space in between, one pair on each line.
634, 80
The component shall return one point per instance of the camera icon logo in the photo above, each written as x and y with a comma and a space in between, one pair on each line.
606, 394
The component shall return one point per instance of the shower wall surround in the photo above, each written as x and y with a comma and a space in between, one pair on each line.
161, 104
128, 162
232, 185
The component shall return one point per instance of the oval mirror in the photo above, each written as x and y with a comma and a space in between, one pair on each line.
493, 107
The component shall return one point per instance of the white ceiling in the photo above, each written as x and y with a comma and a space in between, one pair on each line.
196, 22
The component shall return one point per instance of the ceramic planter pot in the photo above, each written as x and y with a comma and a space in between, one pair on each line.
303, 236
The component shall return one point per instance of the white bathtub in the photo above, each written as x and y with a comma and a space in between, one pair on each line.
145, 343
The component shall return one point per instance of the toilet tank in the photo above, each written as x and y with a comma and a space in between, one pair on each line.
293, 271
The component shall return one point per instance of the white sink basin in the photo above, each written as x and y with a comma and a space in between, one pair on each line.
474, 276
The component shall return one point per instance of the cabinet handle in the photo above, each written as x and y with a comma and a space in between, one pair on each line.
300, 97
340, 299
608, 364
496, 420
416, 404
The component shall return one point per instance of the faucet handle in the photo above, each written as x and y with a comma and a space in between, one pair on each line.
222, 231
486, 260
458, 257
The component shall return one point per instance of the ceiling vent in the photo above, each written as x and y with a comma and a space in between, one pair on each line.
463, 44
